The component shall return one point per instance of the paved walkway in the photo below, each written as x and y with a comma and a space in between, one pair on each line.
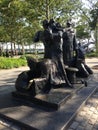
92, 61
7, 79
87, 118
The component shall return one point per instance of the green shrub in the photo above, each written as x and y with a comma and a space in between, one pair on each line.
8, 63
35, 56
22, 62
5, 63
92, 54
23, 57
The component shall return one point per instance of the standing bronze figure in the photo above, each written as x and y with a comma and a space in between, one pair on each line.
69, 44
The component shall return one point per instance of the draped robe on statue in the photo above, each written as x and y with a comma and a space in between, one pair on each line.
53, 44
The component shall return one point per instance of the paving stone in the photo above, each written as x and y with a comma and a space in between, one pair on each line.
82, 113
94, 116
92, 109
85, 108
96, 126
74, 125
88, 104
84, 122
94, 99
79, 118
80, 128
96, 112
92, 121
90, 113
89, 127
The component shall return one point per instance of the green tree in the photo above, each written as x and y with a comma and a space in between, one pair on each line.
94, 23
89, 14
22, 18
82, 33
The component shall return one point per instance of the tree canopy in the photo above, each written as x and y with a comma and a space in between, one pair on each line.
20, 19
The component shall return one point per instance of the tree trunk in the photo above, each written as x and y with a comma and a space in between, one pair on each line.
14, 48
47, 9
30, 48
11, 53
23, 50
96, 39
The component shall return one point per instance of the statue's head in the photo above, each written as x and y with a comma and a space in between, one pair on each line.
45, 23
31, 63
58, 25
51, 21
69, 23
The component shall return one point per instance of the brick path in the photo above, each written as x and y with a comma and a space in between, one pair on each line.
86, 119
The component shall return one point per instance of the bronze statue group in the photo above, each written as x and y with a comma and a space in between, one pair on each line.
61, 51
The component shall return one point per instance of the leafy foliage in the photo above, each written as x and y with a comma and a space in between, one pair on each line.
8, 63
94, 16
81, 32
20, 19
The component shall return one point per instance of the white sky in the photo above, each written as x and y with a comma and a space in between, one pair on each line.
89, 3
